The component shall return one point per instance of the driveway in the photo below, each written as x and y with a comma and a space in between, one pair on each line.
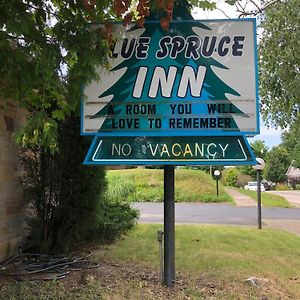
292, 197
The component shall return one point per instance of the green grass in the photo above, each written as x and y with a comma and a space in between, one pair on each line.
141, 185
212, 262
226, 254
201, 248
268, 199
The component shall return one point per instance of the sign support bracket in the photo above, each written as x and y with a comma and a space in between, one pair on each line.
169, 226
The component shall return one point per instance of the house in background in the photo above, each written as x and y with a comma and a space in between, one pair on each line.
293, 176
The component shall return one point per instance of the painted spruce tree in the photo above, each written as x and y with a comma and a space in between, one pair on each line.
127, 91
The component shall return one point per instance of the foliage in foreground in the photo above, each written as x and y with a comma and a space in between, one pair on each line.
66, 198
142, 185
114, 219
50, 48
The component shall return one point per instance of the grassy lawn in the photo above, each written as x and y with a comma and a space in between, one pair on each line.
212, 262
141, 185
268, 199
224, 255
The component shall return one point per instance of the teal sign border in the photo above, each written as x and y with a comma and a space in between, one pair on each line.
241, 153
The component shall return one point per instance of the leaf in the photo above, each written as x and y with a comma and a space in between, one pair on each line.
204, 4
207, 5
58, 114
231, 2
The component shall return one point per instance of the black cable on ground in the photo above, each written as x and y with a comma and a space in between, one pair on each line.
31, 266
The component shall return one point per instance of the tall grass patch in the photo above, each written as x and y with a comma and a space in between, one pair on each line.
142, 185
268, 199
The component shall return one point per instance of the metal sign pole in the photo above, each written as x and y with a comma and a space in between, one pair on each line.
259, 199
169, 226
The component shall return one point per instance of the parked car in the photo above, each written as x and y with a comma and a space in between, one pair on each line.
252, 186
269, 185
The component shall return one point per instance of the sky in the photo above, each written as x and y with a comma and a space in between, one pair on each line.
271, 136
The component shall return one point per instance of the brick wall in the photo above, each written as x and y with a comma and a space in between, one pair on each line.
11, 202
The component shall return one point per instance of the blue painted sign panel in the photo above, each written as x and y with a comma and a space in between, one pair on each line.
198, 78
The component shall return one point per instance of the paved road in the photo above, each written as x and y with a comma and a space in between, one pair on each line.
291, 196
214, 213
284, 218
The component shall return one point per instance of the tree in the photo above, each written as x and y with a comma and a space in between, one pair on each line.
49, 50
230, 177
68, 201
296, 155
120, 93
279, 63
260, 150
291, 136
277, 164
291, 141
47, 53
64, 195
278, 58
251, 8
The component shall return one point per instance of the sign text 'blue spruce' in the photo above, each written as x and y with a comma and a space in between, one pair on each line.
199, 78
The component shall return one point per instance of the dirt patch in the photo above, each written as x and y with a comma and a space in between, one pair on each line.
128, 281
134, 281
120, 280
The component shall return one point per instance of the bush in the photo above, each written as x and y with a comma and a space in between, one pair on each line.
115, 218
67, 199
243, 179
282, 187
230, 177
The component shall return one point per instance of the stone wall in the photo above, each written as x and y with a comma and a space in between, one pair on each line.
11, 202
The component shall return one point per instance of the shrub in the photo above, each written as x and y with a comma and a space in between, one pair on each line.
115, 218
282, 187
243, 179
230, 177
67, 199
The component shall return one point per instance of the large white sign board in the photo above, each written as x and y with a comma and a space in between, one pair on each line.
199, 78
